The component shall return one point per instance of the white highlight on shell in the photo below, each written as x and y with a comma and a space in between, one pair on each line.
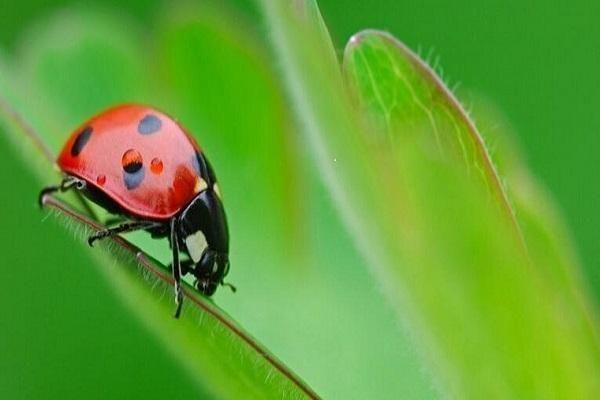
200, 185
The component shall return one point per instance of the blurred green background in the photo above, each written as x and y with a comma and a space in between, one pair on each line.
538, 63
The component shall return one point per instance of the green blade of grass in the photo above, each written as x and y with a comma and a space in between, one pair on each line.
450, 261
221, 355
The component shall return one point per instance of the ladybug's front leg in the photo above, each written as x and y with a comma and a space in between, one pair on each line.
176, 267
187, 266
67, 183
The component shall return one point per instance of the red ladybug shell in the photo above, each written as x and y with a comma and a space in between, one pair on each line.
139, 157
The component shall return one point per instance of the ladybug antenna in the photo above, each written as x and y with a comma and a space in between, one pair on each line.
230, 286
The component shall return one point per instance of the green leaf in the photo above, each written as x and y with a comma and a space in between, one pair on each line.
546, 233
444, 254
547, 236
221, 355
401, 96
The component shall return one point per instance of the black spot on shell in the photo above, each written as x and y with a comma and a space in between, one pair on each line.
131, 161
82, 138
133, 167
149, 125
133, 180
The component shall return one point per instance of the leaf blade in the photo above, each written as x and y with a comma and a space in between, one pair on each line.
409, 82
445, 256
276, 380
362, 53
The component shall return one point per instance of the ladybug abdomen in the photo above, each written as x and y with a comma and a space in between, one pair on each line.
139, 158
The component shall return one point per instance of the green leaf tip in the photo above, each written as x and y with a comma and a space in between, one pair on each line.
403, 98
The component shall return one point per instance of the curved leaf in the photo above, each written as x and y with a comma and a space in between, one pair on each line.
402, 96
454, 268
545, 231
407, 95
224, 358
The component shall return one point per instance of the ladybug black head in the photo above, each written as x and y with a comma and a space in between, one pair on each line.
210, 271
204, 236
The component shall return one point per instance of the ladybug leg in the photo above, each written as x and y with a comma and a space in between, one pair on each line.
46, 191
232, 287
67, 183
187, 266
176, 267
123, 228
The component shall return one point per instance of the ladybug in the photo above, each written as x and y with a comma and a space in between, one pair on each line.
140, 164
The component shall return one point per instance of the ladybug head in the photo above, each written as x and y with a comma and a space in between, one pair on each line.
203, 232
211, 270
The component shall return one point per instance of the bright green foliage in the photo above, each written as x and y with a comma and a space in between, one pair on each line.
401, 96
375, 250
220, 81
453, 265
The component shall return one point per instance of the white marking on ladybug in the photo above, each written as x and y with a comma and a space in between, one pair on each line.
200, 185
196, 244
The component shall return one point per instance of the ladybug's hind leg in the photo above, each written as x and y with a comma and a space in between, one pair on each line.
67, 183
123, 228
